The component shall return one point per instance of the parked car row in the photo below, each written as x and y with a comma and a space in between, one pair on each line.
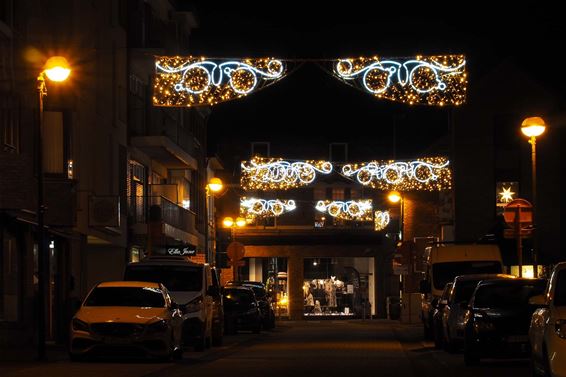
499, 316
164, 305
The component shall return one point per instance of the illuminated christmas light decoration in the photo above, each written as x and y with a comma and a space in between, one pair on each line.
275, 174
197, 81
381, 220
359, 210
426, 174
506, 195
252, 207
426, 80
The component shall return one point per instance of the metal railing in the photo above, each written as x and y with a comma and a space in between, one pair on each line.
157, 208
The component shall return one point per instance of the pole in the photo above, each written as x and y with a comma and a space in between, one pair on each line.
517, 225
206, 226
533, 142
41, 257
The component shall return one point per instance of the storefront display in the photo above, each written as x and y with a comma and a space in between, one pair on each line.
328, 297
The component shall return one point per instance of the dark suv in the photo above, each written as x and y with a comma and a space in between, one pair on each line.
263, 299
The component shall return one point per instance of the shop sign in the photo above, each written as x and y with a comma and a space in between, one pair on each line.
182, 251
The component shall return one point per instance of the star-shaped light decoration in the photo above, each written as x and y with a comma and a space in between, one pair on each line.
506, 195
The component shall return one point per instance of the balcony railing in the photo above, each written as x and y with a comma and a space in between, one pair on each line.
157, 208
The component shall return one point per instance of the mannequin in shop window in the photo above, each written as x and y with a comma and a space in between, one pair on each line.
330, 291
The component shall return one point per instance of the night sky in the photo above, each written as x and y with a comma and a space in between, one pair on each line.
310, 104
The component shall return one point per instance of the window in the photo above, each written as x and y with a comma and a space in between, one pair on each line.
337, 193
9, 124
260, 149
338, 152
9, 279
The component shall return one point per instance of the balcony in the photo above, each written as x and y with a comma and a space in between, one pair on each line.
177, 223
165, 151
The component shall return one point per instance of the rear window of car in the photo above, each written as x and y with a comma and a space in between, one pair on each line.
464, 290
506, 295
560, 289
236, 297
174, 278
126, 296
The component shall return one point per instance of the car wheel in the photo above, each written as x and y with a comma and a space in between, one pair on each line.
257, 328
200, 343
438, 339
217, 340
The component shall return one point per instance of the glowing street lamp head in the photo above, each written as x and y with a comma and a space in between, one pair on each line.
394, 196
228, 222
240, 222
215, 184
533, 126
57, 68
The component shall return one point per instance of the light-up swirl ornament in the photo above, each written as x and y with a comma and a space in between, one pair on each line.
381, 220
192, 81
434, 80
359, 210
252, 207
276, 174
427, 174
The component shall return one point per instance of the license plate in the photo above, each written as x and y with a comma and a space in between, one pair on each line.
518, 339
117, 341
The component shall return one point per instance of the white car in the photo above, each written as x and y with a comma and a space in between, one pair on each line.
547, 333
127, 318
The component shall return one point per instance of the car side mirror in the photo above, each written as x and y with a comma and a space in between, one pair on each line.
538, 301
174, 305
424, 286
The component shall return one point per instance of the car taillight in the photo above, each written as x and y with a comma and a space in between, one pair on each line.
560, 328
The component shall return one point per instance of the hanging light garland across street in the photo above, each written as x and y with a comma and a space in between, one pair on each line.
198, 81
276, 174
251, 208
359, 210
381, 220
425, 80
426, 174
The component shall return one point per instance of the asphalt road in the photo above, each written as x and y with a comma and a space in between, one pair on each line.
296, 349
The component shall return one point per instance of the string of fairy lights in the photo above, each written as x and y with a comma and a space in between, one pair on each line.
424, 174
352, 210
184, 81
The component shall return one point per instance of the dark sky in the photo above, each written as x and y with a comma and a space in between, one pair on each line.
309, 103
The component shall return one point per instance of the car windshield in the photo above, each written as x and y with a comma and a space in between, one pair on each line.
560, 290
506, 295
126, 296
237, 297
464, 290
443, 273
174, 278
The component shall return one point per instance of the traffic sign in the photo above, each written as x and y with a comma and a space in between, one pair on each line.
235, 251
523, 209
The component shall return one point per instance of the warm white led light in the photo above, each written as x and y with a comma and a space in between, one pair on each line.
359, 210
252, 207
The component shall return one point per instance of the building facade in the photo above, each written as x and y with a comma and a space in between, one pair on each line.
122, 178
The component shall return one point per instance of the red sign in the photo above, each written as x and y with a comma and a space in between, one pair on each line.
236, 251
521, 208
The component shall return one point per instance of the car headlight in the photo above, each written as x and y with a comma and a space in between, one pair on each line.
159, 326
194, 306
79, 325
560, 328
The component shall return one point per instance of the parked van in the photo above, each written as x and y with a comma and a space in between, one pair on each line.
446, 261
192, 287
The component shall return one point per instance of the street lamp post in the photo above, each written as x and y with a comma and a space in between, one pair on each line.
56, 69
533, 127
396, 197
214, 186
229, 222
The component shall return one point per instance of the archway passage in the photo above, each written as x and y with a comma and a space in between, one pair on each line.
437, 80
